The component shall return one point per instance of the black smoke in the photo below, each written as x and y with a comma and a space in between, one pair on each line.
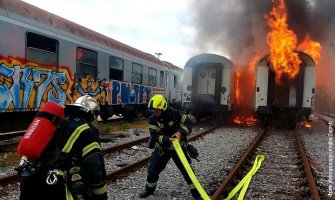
237, 27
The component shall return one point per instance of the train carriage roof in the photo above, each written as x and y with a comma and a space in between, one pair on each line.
172, 66
208, 58
306, 59
41, 16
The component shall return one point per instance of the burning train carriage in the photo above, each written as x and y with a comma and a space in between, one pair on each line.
44, 57
208, 85
286, 98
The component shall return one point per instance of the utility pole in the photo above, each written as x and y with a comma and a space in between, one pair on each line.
158, 54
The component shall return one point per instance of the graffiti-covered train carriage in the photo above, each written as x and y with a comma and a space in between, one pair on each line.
44, 57
208, 85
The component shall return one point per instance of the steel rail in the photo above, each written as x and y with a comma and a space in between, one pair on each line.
324, 120
236, 169
307, 168
7, 135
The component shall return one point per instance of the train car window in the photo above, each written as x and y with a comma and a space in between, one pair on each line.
137, 72
116, 68
175, 81
41, 49
87, 62
161, 79
152, 77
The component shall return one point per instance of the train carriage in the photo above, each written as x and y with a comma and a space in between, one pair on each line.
175, 80
208, 85
44, 57
288, 99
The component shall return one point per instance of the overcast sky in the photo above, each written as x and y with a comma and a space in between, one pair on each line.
152, 26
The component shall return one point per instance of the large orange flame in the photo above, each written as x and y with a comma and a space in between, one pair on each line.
249, 121
282, 42
312, 48
238, 94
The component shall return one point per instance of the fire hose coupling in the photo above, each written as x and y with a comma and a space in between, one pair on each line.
24, 163
52, 178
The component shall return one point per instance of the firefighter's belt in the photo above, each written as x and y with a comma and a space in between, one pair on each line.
246, 180
189, 170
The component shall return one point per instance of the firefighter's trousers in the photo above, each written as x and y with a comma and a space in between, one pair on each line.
158, 162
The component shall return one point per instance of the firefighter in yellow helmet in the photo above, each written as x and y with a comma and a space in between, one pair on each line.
166, 124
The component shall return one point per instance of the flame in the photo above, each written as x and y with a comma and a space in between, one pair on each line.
312, 48
308, 125
252, 66
282, 42
249, 121
238, 120
253, 61
238, 94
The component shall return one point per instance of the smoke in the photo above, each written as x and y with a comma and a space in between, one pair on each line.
239, 26
231, 27
237, 29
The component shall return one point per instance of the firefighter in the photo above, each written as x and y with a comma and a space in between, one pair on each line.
165, 125
79, 172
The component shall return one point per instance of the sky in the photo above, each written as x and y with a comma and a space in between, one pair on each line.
152, 26
180, 29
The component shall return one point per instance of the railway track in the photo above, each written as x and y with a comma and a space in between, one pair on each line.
329, 115
282, 171
284, 174
12, 134
326, 118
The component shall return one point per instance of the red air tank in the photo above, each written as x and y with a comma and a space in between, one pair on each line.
41, 130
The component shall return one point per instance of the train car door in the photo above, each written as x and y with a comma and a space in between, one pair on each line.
205, 86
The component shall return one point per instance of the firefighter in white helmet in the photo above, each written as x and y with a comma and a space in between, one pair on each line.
80, 163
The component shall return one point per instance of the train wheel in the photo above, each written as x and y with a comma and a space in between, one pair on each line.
130, 116
105, 113
292, 125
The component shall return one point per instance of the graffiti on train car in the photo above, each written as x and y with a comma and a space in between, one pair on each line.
129, 93
26, 86
86, 84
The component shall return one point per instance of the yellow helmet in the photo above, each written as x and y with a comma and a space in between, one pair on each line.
157, 102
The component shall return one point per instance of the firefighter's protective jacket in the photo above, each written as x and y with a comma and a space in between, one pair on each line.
80, 145
81, 162
163, 127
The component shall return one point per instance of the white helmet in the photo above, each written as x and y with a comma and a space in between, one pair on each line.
87, 104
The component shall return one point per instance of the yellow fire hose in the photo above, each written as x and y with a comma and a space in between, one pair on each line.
189, 170
244, 182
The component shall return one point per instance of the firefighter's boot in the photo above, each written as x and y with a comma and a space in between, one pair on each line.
145, 194
195, 194
149, 190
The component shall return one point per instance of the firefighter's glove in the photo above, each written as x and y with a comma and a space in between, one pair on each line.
176, 135
166, 140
